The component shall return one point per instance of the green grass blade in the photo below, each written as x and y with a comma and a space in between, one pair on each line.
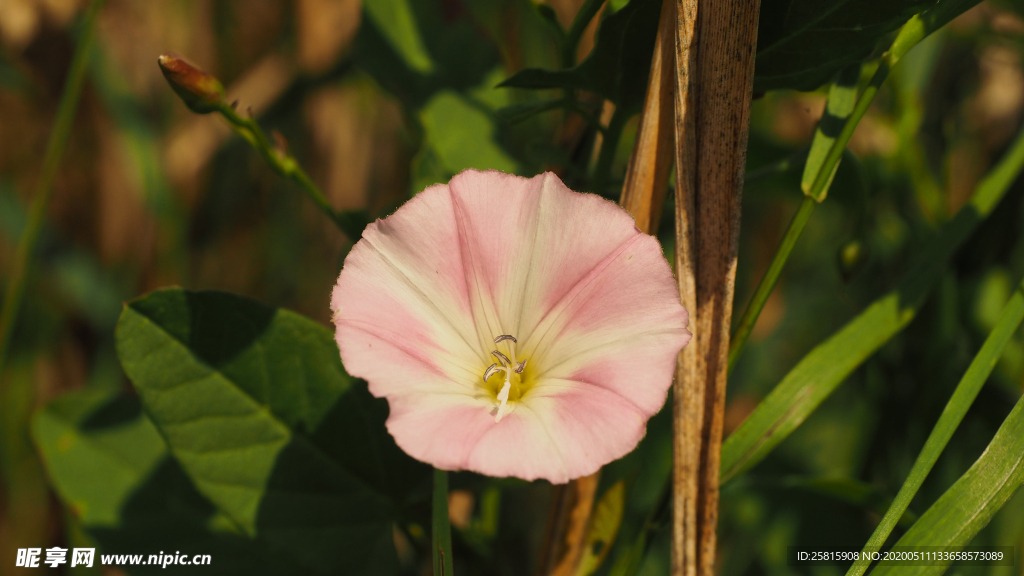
968, 506
51, 161
842, 97
819, 373
966, 391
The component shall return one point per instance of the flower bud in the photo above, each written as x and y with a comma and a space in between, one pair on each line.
851, 257
200, 91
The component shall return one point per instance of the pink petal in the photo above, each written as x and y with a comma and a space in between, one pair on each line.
591, 300
616, 332
569, 432
527, 242
401, 306
573, 430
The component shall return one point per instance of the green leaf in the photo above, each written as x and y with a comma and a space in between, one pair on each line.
617, 67
395, 20
604, 526
413, 50
548, 15
801, 44
969, 505
23, 484
112, 470
457, 136
238, 390
842, 95
819, 373
966, 391
96, 471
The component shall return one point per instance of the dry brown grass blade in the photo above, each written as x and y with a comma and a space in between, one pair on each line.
643, 195
643, 192
567, 526
714, 74
688, 399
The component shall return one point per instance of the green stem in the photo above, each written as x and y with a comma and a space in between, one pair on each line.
609, 144
351, 223
910, 34
770, 279
954, 412
442, 530
44, 191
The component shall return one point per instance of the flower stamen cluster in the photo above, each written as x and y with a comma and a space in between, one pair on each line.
508, 367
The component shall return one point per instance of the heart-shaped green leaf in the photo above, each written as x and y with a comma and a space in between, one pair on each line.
241, 393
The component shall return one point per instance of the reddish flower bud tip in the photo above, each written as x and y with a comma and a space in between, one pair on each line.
200, 91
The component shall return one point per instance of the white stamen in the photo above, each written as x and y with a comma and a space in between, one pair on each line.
503, 398
507, 366
490, 371
501, 358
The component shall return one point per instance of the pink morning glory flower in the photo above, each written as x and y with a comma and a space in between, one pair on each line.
516, 328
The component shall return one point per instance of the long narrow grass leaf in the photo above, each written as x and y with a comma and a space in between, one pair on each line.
966, 391
968, 506
819, 373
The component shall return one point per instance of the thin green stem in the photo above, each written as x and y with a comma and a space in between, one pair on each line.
442, 530
44, 190
609, 143
770, 279
910, 34
351, 223
954, 412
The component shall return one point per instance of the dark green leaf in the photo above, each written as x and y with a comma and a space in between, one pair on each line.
801, 44
413, 50
548, 15
237, 389
617, 67
112, 470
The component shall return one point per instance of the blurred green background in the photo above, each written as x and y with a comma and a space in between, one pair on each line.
377, 102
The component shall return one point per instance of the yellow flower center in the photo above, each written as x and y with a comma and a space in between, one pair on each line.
514, 384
